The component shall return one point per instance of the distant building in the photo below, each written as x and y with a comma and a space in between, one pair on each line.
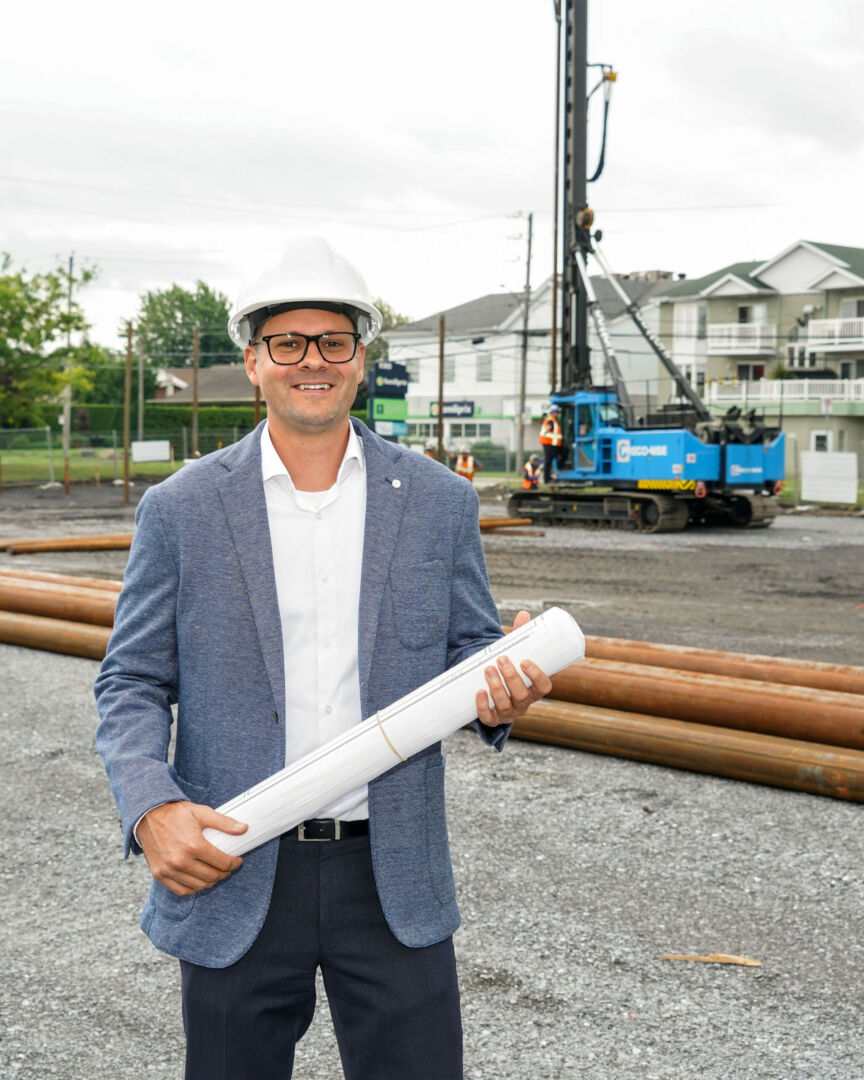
803, 310
785, 336
222, 384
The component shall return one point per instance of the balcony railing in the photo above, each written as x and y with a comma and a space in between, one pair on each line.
742, 339
786, 390
835, 335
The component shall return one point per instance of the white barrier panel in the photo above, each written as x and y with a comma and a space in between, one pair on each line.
438, 708
151, 450
829, 478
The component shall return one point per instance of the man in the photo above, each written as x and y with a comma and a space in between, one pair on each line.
466, 464
531, 472
278, 592
550, 440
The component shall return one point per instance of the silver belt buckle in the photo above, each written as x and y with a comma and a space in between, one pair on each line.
337, 833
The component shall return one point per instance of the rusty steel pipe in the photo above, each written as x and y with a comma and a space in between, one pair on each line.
61, 579
57, 635
110, 542
39, 598
844, 678
503, 523
739, 755
795, 712
52, 588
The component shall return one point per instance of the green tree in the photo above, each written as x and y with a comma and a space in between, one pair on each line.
36, 317
165, 327
378, 349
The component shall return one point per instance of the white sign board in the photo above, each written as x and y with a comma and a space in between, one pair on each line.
151, 450
829, 478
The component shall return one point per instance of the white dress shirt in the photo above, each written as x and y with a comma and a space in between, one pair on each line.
317, 541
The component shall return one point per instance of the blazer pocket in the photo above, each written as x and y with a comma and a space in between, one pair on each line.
440, 866
421, 602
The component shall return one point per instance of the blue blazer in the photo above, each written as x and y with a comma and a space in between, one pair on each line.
197, 625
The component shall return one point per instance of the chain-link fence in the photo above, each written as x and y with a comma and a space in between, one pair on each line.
32, 457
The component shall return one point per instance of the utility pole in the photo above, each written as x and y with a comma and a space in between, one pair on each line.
196, 355
553, 352
127, 409
520, 427
440, 425
140, 395
67, 389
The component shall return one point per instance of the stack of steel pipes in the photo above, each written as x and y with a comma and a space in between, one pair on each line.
59, 612
789, 723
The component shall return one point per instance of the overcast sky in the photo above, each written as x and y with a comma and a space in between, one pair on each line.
170, 141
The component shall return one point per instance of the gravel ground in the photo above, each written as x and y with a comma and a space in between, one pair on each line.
575, 871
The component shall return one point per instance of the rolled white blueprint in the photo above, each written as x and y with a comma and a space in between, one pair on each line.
430, 713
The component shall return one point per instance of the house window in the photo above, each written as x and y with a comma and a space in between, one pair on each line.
752, 313
412, 368
484, 431
456, 431
484, 367
846, 370
702, 322
449, 368
470, 431
852, 309
820, 441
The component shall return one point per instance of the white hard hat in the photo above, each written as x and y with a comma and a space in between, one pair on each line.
307, 273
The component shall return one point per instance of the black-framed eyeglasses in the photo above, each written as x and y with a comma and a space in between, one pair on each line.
336, 347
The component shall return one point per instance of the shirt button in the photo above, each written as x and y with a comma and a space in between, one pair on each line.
328, 708
327, 644
323, 577
318, 516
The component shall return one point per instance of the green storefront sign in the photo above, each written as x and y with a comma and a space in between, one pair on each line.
389, 408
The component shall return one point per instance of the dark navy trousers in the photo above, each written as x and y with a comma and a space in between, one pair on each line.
395, 1010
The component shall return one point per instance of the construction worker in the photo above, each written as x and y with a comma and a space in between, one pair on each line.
531, 472
432, 451
550, 440
466, 464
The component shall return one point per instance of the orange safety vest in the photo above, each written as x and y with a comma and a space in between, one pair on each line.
465, 466
550, 432
532, 476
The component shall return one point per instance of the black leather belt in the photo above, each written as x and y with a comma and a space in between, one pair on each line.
329, 829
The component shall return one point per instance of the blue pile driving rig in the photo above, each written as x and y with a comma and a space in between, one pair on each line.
658, 471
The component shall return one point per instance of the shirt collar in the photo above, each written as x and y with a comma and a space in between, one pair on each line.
273, 466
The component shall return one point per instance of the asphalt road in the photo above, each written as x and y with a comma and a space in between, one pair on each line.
575, 872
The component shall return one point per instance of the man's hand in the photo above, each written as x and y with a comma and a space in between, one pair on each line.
179, 857
510, 696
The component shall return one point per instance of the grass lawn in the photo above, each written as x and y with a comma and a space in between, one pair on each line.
33, 467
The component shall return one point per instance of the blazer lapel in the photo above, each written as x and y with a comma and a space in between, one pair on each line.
242, 494
386, 492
